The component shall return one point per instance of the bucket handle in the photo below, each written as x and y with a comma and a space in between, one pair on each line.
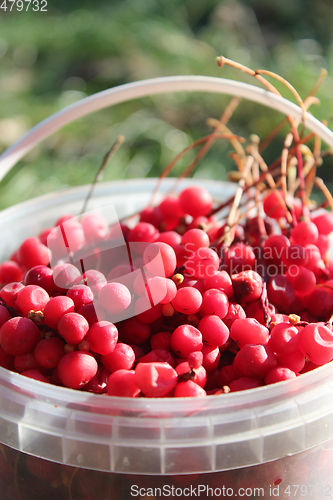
155, 86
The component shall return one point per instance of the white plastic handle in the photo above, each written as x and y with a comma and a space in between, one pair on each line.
153, 86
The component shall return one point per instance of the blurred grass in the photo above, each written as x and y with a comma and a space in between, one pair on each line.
49, 60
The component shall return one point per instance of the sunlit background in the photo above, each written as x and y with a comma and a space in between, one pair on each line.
51, 59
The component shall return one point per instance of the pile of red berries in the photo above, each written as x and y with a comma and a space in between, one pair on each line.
165, 307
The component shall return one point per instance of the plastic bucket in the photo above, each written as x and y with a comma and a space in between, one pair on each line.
273, 441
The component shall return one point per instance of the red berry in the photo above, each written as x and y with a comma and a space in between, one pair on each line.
41, 276
248, 331
188, 300
10, 271
65, 276
247, 285
9, 293
198, 374
8, 360
239, 257
194, 239
133, 331
145, 312
94, 279
81, 295
255, 310
220, 280
73, 327
305, 233
302, 279
122, 383
31, 298
195, 359
36, 375
161, 290
324, 223
316, 342
211, 358
48, 352
273, 205
161, 340
98, 384
152, 215
189, 389
140, 236
122, 358
24, 362
281, 293
254, 361
155, 379
66, 238
294, 254
196, 201
160, 259
203, 263
235, 311
56, 308
170, 237
102, 337
170, 208
158, 356
114, 297
214, 331
323, 243
294, 360
4, 315
320, 302
283, 338
33, 253
274, 248
95, 227
214, 302
18, 336
278, 374
245, 383
92, 312
76, 369
186, 339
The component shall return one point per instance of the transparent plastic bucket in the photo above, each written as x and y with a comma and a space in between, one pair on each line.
261, 441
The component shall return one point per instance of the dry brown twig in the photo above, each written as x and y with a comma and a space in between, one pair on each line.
173, 162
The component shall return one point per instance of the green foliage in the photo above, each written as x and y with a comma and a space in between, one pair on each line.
49, 60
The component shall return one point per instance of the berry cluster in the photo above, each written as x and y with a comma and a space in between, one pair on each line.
178, 304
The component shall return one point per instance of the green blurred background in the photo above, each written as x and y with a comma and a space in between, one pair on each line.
51, 59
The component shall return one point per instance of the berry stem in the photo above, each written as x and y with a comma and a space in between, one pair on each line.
305, 210
321, 78
221, 61
272, 134
238, 196
207, 145
255, 169
322, 186
173, 162
99, 175
287, 84
264, 303
234, 141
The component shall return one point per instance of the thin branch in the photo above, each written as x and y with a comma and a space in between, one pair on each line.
120, 139
287, 84
238, 196
236, 144
207, 145
173, 162
322, 186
